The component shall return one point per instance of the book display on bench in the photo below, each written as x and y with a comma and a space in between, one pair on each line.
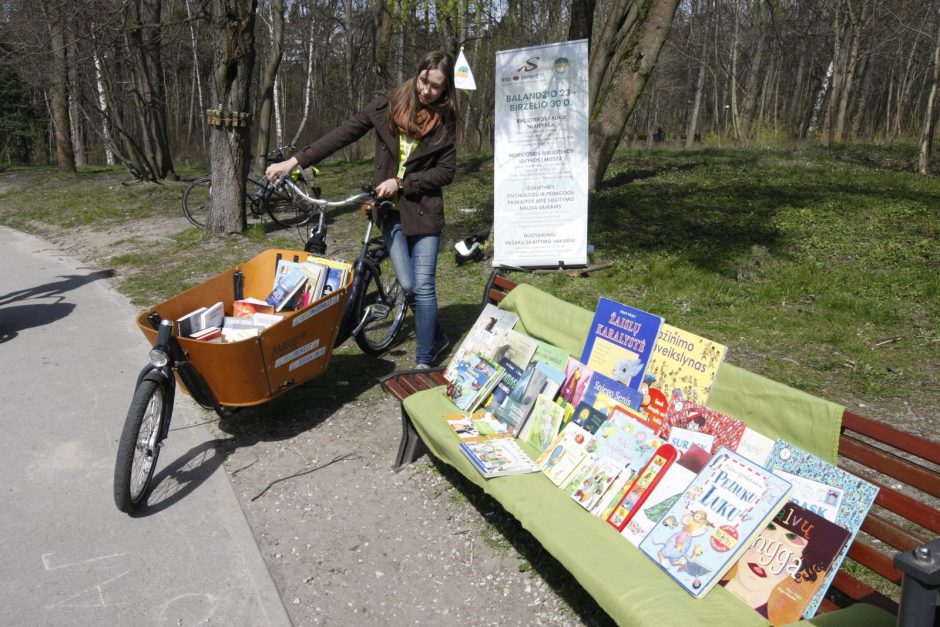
594, 500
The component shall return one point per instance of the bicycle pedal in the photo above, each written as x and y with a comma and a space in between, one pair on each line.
378, 311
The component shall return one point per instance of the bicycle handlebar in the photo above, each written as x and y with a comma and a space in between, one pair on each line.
356, 199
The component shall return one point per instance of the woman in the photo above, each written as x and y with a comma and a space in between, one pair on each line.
415, 157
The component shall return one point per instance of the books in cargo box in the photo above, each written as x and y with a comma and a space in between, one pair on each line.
715, 520
289, 279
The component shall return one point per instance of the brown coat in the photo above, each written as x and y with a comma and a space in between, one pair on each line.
429, 168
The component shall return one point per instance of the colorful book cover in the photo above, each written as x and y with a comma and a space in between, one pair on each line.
858, 497
588, 417
483, 335
637, 491
620, 342
683, 366
785, 566
564, 453
726, 430
682, 439
819, 498
288, 280
552, 355
577, 378
672, 485
633, 414
597, 480
495, 457
705, 532
474, 378
474, 427
543, 424
514, 346
630, 442
604, 393
507, 383
538, 378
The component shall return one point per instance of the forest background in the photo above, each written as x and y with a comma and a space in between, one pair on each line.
105, 82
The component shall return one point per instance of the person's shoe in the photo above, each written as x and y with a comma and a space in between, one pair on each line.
422, 367
437, 351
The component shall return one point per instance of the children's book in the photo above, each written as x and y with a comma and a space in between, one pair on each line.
552, 355
705, 532
538, 378
289, 279
620, 342
632, 445
604, 393
682, 366
682, 439
640, 417
672, 484
727, 431
637, 491
543, 424
247, 307
588, 417
507, 383
565, 453
755, 446
475, 427
597, 479
483, 335
577, 379
474, 379
858, 496
785, 566
495, 457
516, 347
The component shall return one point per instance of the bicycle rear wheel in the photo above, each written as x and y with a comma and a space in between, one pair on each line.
382, 302
285, 210
196, 201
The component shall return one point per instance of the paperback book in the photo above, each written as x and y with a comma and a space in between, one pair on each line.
289, 279
785, 566
538, 378
483, 336
620, 342
475, 427
543, 424
857, 498
705, 532
474, 379
495, 457
565, 452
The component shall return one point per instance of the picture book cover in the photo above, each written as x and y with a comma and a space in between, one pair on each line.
588, 417
475, 427
755, 446
495, 457
538, 378
543, 424
705, 532
683, 366
565, 453
640, 417
552, 355
727, 431
783, 569
620, 342
604, 393
473, 380
857, 498
516, 347
288, 281
672, 484
483, 335
682, 439
637, 491
504, 387
598, 477
632, 444
819, 498
247, 307
577, 378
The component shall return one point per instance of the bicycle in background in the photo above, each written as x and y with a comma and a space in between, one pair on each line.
261, 195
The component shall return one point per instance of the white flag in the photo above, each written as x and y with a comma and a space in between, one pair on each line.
463, 77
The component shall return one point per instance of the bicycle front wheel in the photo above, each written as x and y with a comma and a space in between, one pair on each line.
382, 304
285, 210
196, 201
138, 449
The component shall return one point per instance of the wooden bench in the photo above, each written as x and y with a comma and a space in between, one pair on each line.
894, 545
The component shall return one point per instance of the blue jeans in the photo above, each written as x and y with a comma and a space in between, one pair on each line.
415, 261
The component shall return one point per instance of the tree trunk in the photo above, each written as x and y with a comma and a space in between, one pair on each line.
59, 87
930, 116
197, 80
582, 20
818, 103
858, 24
380, 11
308, 87
755, 72
631, 48
268, 78
103, 109
233, 24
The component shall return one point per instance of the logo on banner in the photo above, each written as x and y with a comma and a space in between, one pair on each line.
525, 72
561, 65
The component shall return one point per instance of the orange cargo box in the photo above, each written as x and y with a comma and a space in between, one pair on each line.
255, 370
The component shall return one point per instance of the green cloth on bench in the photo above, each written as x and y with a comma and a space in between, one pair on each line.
631, 588
773, 409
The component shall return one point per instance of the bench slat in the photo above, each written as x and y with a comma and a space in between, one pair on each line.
393, 386
889, 464
890, 533
873, 559
921, 447
857, 591
913, 510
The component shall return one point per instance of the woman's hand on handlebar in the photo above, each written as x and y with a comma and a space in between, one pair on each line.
387, 188
276, 171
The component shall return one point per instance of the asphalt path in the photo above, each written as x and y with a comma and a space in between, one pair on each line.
69, 358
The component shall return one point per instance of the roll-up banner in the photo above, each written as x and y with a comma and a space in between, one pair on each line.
541, 156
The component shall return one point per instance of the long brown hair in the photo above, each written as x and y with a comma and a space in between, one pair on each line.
405, 96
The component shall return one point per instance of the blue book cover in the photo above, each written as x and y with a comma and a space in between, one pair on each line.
620, 342
704, 533
288, 280
850, 497
603, 393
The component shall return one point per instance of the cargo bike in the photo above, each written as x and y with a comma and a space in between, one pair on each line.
369, 307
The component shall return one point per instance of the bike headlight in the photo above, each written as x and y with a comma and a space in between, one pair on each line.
158, 357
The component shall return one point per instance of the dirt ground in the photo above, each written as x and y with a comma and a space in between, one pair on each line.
347, 540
